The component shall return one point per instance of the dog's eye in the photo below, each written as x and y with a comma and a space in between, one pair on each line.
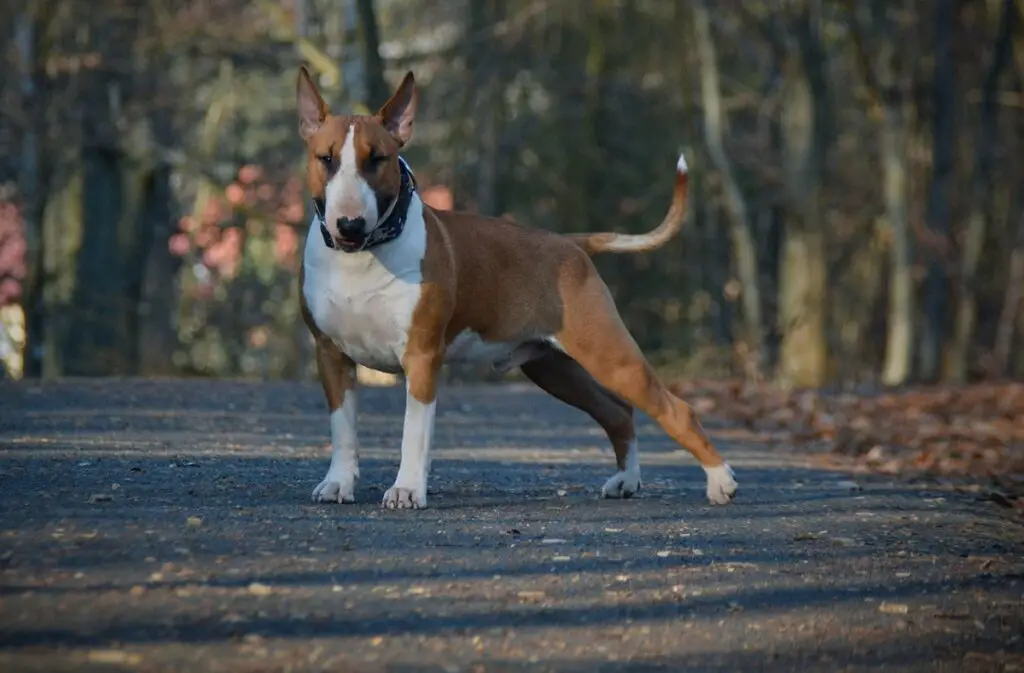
375, 161
326, 159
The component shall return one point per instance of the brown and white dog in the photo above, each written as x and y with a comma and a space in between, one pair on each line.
391, 284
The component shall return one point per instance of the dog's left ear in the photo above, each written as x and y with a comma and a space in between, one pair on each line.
398, 113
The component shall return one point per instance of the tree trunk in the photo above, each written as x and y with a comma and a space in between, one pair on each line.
60, 242
803, 356
26, 42
888, 102
157, 336
486, 90
720, 248
900, 330
353, 72
771, 237
887, 92
580, 61
803, 360
156, 282
1011, 305
744, 247
377, 91
855, 312
936, 286
95, 342
981, 202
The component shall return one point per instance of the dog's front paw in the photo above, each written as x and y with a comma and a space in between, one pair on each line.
622, 485
721, 484
399, 497
336, 487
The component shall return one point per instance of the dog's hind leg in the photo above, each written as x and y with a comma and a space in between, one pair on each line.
562, 377
593, 334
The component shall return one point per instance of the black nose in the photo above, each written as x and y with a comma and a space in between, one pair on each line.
351, 227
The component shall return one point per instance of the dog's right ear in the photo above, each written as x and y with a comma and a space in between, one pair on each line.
312, 109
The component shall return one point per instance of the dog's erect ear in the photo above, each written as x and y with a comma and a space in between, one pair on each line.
399, 112
312, 108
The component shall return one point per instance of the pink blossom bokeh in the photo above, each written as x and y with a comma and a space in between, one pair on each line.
13, 253
216, 236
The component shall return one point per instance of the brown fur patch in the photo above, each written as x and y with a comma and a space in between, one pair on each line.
509, 283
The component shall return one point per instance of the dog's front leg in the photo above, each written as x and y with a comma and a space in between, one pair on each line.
338, 377
410, 489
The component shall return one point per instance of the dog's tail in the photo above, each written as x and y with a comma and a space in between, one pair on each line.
657, 237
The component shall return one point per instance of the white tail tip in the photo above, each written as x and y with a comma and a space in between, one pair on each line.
681, 164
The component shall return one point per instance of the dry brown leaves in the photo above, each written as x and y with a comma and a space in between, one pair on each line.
974, 432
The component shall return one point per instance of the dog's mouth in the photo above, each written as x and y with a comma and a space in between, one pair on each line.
349, 244
339, 242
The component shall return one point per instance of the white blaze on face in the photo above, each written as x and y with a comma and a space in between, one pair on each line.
347, 193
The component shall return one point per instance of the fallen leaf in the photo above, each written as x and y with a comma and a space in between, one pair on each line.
114, 657
894, 608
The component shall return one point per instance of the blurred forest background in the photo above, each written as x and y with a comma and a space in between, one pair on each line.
857, 213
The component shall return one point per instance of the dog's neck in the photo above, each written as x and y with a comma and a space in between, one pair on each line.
391, 223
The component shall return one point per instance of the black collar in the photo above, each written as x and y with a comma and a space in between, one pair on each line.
387, 230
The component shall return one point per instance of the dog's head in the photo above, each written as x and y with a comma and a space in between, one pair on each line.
352, 161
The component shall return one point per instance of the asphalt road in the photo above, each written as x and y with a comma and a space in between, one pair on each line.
154, 526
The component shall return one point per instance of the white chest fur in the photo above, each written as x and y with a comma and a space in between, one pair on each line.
364, 301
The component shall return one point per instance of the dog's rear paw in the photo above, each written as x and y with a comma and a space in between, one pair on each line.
335, 488
398, 497
721, 484
622, 485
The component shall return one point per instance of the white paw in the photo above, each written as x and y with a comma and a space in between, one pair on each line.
622, 484
721, 484
336, 487
398, 497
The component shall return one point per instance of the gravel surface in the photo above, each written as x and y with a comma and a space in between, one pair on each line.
167, 525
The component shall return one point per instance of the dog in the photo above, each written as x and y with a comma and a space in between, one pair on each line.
394, 285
